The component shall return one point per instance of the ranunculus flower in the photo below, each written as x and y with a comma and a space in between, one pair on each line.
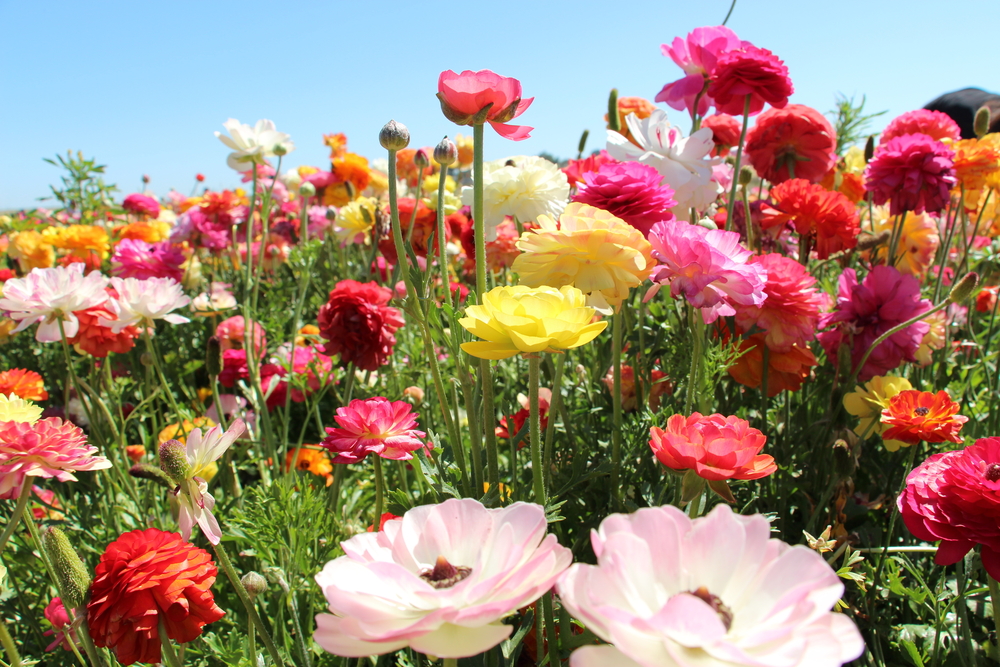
438, 580
786, 370
375, 426
976, 164
14, 409
56, 614
464, 95
232, 334
358, 325
144, 577
141, 205
913, 172
827, 220
510, 427
696, 55
50, 297
637, 106
519, 319
918, 241
142, 302
716, 590
751, 71
935, 124
714, 446
794, 142
912, 416
49, 447
726, 132
659, 386
867, 403
252, 145
575, 169
23, 384
790, 313
138, 259
631, 191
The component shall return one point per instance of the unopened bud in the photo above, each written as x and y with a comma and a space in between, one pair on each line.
394, 136
213, 356
174, 461
746, 176
964, 288
146, 359
614, 122
147, 471
844, 361
74, 579
869, 149
254, 583
982, 122
871, 241
446, 152
145, 178
420, 159
280, 150
583, 142
307, 189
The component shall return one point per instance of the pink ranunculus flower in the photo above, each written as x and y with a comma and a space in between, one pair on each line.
141, 302
141, 205
50, 297
696, 55
50, 448
438, 580
628, 190
464, 95
717, 590
749, 71
134, 258
913, 172
374, 426
232, 334
935, 124
708, 267
55, 613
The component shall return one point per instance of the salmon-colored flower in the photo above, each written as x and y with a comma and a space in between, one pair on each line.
786, 371
827, 219
464, 96
714, 446
726, 132
794, 142
659, 386
135, 452
914, 415
790, 313
935, 124
374, 426
49, 447
639, 106
23, 384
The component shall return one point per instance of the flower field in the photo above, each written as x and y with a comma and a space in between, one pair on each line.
721, 391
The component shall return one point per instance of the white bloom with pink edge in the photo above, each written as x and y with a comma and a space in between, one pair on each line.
140, 302
50, 297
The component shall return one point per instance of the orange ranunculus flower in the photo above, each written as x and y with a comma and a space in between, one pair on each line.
150, 231
828, 219
23, 384
641, 107
80, 240
786, 370
135, 452
918, 241
31, 251
337, 143
311, 460
915, 415
715, 447
406, 166
214, 203
348, 168
976, 162
847, 183
424, 227
466, 150
6, 326
306, 331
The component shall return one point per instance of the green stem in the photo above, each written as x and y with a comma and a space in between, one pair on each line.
477, 214
697, 326
251, 642
550, 625
22, 502
379, 491
489, 419
911, 456
475, 435
995, 598
442, 246
163, 380
450, 662
616, 402
535, 430
241, 592
730, 205
554, 406
9, 647
168, 654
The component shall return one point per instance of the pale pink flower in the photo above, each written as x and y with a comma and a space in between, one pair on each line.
51, 296
141, 302
717, 590
465, 95
374, 426
216, 300
438, 580
709, 267
232, 333
696, 55
47, 448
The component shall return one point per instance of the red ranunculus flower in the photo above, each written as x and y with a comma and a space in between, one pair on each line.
714, 446
146, 576
986, 300
749, 71
827, 219
725, 132
914, 415
424, 226
358, 325
794, 142
97, 340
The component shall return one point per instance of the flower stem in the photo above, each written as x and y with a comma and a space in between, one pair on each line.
9, 647
911, 456
168, 654
535, 429
554, 406
489, 419
22, 502
616, 402
163, 381
442, 247
379, 491
251, 642
730, 205
697, 327
477, 210
995, 598
450, 662
241, 592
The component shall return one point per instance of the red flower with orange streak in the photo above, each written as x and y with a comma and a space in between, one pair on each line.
23, 384
715, 447
915, 415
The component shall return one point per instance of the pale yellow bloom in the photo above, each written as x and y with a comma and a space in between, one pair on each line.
432, 182
868, 402
854, 160
517, 319
466, 148
14, 409
918, 241
934, 339
355, 221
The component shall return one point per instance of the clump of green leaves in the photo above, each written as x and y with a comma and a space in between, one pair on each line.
850, 121
83, 189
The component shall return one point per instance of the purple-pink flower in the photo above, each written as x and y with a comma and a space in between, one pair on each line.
47, 448
696, 55
717, 590
141, 205
630, 191
439, 580
134, 258
913, 172
866, 310
708, 267
374, 426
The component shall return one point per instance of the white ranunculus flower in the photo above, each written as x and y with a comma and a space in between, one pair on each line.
682, 161
252, 144
531, 187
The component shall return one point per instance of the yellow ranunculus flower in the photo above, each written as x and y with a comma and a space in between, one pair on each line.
80, 240
868, 402
518, 319
14, 409
31, 251
590, 249
355, 220
918, 241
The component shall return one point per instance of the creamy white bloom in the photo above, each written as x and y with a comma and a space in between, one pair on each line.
141, 302
682, 161
194, 500
217, 299
530, 187
51, 296
252, 144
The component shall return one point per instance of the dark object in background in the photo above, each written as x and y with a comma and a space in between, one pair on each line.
962, 106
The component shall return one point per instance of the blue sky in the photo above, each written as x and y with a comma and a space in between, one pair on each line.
142, 86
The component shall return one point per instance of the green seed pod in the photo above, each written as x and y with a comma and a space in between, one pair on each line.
74, 579
613, 120
394, 136
213, 356
254, 583
964, 288
174, 462
981, 126
307, 189
869, 149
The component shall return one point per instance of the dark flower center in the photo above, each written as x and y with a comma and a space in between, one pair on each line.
725, 613
922, 411
444, 574
993, 472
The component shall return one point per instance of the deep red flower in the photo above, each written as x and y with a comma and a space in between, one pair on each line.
358, 325
794, 142
828, 219
914, 415
144, 577
749, 71
913, 172
725, 132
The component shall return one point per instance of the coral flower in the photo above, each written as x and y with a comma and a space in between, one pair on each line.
867, 403
786, 370
709, 267
790, 313
749, 71
630, 191
439, 580
986, 300
146, 577
659, 386
725, 132
696, 55
14, 409
794, 142
98, 340
141, 302
575, 169
714, 446
828, 220
50, 297
976, 162
717, 590
23, 384
308, 459
589, 248
49, 447
140, 204
955, 497
358, 325
464, 96
522, 186
138, 259
509, 428
914, 415
640, 107
913, 172
374, 426
519, 319
232, 334
935, 124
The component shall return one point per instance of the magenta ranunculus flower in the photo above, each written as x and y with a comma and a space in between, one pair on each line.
48, 448
438, 580
696, 55
708, 267
749, 71
51, 296
955, 497
865, 311
374, 426
141, 205
464, 95
630, 191
717, 590
134, 258
913, 172
935, 124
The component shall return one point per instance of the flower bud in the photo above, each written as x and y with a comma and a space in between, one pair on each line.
446, 153
145, 178
146, 359
844, 362
394, 136
964, 288
307, 189
583, 142
174, 461
982, 122
869, 149
213, 356
254, 583
614, 122
420, 159
869, 242
200, 178
147, 471
74, 579
414, 394
746, 176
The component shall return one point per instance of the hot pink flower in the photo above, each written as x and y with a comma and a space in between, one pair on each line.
668, 590
141, 205
374, 426
709, 267
865, 311
696, 55
790, 314
630, 191
48, 448
913, 172
234, 367
935, 124
439, 580
464, 95
749, 71
137, 259
51, 296
309, 368
55, 613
